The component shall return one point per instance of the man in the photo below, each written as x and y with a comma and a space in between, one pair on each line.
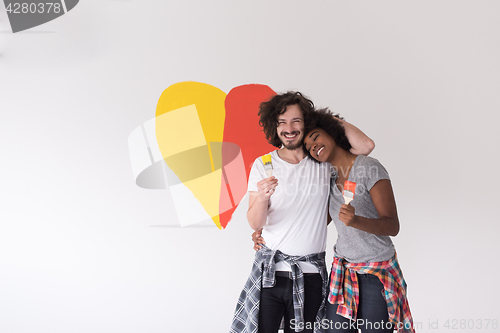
288, 278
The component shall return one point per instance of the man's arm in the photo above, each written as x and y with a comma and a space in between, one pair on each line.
258, 203
361, 144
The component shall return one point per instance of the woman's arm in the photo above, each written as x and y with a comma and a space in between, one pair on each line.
361, 144
258, 240
383, 199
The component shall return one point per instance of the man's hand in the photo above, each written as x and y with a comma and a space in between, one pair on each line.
347, 215
258, 202
257, 240
266, 187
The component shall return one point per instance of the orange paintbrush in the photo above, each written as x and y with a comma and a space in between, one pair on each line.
349, 189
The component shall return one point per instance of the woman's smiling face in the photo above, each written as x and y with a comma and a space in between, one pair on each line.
319, 144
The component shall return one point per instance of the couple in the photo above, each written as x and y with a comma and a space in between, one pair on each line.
366, 289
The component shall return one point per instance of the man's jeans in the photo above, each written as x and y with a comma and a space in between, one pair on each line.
277, 303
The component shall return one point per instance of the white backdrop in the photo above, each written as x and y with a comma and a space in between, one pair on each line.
83, 249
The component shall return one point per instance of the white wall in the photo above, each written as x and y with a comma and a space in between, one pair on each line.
79, 246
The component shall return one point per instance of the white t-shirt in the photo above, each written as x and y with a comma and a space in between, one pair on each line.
297, 214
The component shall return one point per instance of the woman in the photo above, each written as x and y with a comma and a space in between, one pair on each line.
365, 267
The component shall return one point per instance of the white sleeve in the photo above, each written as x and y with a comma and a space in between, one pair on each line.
257, 173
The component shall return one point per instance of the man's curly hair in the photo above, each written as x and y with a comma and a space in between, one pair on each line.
276, 106
326, 120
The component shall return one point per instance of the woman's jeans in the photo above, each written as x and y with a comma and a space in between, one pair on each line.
372, 310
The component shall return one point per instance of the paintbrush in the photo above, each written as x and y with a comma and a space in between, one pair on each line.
349, 189
268, 165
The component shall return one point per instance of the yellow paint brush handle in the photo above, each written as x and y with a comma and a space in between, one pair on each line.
268, 165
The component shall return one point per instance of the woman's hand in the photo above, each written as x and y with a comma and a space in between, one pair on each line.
257, 240
383, 199
347, 215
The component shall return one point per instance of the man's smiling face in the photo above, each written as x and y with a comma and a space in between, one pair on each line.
291, 127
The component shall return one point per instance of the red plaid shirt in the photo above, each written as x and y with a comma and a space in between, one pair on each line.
344, 290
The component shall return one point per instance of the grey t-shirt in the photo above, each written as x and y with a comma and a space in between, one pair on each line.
353, 244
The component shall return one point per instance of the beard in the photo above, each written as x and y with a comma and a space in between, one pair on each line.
293, 145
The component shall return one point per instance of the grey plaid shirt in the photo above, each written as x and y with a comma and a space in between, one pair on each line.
246, 316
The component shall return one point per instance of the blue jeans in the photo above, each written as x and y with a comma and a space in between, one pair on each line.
372, 310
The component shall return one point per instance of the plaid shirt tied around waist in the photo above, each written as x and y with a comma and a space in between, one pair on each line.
344, 290
246, 315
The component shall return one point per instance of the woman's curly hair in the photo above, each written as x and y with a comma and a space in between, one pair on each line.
326, 120
276, 106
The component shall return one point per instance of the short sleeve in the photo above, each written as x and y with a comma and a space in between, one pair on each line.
375, 172
257, 173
